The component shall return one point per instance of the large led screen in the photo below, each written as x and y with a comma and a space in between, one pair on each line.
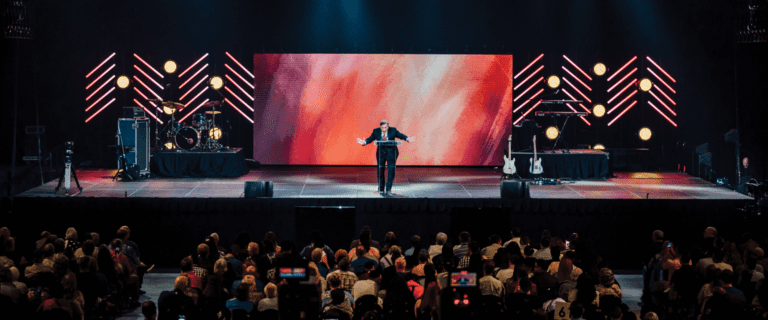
310, 108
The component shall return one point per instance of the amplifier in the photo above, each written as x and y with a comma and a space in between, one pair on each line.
135, 138
133, 112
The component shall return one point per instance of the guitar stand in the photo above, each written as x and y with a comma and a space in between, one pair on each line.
122, 171
560, 135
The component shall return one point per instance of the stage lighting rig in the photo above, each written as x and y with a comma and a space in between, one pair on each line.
552, 133
170, 66
553, 81
645, 84
599, 147
123, 82
645, 134
216, 82
598, 110
599, 69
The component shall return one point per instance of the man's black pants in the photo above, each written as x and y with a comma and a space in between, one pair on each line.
387, 159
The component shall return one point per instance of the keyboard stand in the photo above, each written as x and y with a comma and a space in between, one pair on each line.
560, 135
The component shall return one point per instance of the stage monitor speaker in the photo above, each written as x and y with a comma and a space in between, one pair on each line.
481, 223
258, 189
135, 138
335, 223
515, 189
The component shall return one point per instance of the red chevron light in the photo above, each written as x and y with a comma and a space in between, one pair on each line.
529, 65
192, 65
662, 81
622, 113
99, 99
99, 77
662, 114
193, 76
100, 87
527, 112
577, 78
577, 68
238, 86
100, 64
146, 87
529, 99
239, 76
193, 110
622, 90
529, 88
238, 63
146, 110
193, 87
662, 103
238, 98
238, 110
148, 77
148, 66
577, 90
572, 98
660, 68
622, 101
622, 68
622, 79
528, 77
102, 108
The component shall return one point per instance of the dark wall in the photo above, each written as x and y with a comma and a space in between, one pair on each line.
691, 39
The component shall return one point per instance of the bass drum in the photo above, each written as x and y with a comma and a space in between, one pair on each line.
187, 138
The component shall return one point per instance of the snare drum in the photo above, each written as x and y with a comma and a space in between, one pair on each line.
198, 120
187, 138
175, 127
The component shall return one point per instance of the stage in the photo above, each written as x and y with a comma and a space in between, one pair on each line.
340, 200
410, 182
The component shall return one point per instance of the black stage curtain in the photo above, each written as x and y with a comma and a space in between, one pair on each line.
576, 165
225, 164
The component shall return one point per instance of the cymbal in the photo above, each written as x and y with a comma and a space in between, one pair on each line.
155, 100
171, 103
213, 112
212, 103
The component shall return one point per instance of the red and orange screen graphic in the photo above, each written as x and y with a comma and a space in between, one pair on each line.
310, 108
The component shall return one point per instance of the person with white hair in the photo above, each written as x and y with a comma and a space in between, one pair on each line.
385, 155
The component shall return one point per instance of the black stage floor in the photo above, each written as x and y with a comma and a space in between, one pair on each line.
410, 182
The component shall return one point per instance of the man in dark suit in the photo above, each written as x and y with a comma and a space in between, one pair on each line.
173, 304
385, 155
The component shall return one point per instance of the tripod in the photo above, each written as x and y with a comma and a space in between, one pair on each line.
68, 171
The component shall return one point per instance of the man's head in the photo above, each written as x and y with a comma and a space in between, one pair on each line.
181, 283
441, 238
516, 233
415, 241
464, 237
374, 275
122, 234
474, 247
360, 251
334, 280
616, 313
710, 232
658, 236
253, 249
745, 162
270, 290
220, 267
488, 267
423, 256
577, 309
88, 247
369, 265
545, 242
203, 250
366, 232
344, 264
337, 296
727, 277
384, 125
494, 239
85, 264
186, 264
149, 310
317, 255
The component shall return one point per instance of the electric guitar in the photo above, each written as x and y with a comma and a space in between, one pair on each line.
535, 167
509, 163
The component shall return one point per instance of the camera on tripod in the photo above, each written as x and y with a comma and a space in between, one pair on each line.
68, 171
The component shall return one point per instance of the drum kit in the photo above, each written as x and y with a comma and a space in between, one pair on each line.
202, 134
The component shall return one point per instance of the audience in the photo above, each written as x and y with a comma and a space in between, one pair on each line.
717, 277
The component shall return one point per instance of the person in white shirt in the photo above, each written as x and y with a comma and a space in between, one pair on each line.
489, 285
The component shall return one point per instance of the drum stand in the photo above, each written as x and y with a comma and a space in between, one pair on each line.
210, 142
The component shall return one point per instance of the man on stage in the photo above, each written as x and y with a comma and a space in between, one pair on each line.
385, 154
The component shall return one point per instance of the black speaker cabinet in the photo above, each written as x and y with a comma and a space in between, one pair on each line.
515, 189
258, 189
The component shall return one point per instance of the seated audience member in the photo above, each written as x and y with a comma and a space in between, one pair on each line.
317, 258
66, 297
70, 239
253, 253
399, 302
437, 248
240, 248
252, 271
415, 246
544, 253
315, 242
149, 310
8, 289
523, 303
365, 233
347, 277
369, 252
418, 270
369, 266
577, 311
392, 255
204, 258
428, 306
241, 301
222, 253
37, 265
490, 251
338, 303
253, 295
507, 268
389, 240
607, 284
315, 277
564, 268
414, 287
270, 302
88, 249
473, 260
489, 285
733, 294
358, 264
186, 269
235, 265
334, 282
88, 282
528, 252
172, 304
462, 249
516, 233
400, 266
541, 278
